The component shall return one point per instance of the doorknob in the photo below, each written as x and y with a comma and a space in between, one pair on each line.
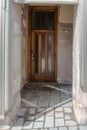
33, 56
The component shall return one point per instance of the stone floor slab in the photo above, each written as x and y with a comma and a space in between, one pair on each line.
50, 113
43, 103
18, 124
32, 111
73, 128
22, 112
59, 122
53, 129
42, 118
38, 124
49, 122
59, 109
28, 125
83, 127
70, 123
67, 110
43, 129
59, 115
67, 117
62, 128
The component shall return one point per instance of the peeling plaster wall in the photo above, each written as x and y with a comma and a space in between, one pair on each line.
84, 47
65, 39
15, 59
24, 51
80, 97
0, 52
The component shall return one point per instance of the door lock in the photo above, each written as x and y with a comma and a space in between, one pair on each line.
33, 56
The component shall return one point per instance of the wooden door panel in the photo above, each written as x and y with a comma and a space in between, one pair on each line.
42, 56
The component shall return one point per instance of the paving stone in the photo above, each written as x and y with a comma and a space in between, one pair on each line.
18, 124
67, 117
28, 125
49, 122
62, 128
83, 127
22, 111
64, 98
38, 124
70, 122
59, 109
42, 109
59, 114
53, 129
32, 111
50, 113
30, 117
40, 118
73, 128
55, 97
33, 129
59, 122
43, 103
44, 98
33, 102
67, 110
43, 129
29, 104
54, 102
68, 104
34, 98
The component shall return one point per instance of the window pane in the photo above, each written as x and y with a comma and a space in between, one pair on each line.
36, 54
43, 54
49, 54
43, 20
50, 22
35, 20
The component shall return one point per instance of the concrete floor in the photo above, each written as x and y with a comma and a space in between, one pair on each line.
47, 107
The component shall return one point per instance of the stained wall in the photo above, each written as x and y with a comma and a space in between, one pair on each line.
65, 39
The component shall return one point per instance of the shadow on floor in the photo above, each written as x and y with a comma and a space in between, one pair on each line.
41, 98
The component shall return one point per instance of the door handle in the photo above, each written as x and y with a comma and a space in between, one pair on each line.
33, 56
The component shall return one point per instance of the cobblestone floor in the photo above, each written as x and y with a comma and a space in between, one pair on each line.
47, 107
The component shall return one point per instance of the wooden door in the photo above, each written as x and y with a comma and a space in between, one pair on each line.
42, 55
43, 43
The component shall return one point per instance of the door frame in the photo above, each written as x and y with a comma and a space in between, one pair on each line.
50, 8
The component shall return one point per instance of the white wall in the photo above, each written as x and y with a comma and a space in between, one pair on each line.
24, 46
14, 60
84, 47
0, 52
79, 96
65, 44
2, 59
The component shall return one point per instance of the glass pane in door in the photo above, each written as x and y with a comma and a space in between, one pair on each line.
43, 20
49, 54
51, 20
43, 55
36, 54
